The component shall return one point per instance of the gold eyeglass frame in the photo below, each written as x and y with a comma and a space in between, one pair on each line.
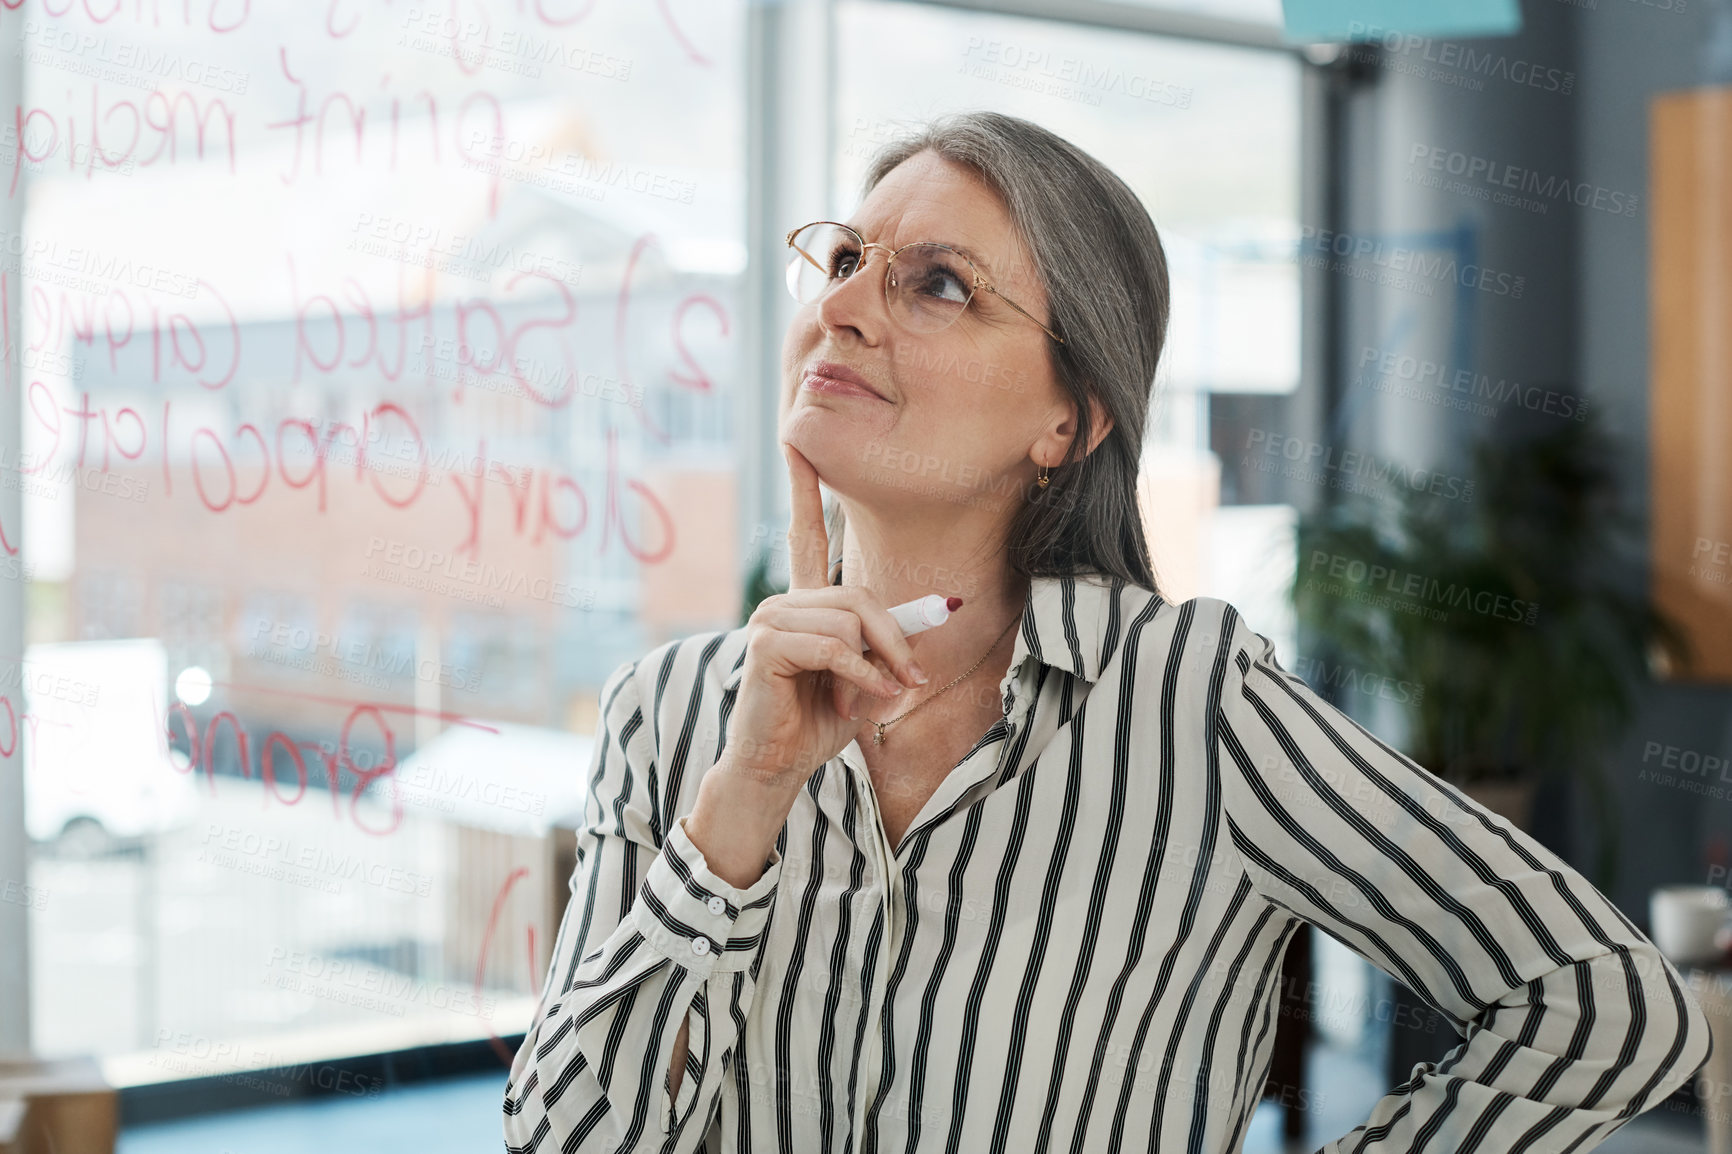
980, 282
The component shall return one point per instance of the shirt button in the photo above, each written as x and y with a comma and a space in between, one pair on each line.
700, 946
718, 906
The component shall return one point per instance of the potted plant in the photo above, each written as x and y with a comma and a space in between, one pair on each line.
1513, 606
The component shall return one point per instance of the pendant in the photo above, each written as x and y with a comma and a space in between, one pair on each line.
878, 738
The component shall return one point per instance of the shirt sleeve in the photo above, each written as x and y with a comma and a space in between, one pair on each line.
1573, 1021
632, 960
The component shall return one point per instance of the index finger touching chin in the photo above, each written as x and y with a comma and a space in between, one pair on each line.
808, 540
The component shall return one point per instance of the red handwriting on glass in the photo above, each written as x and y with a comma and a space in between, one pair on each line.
217, 481
203, 755
699, 381
546, 490
543, 500
6, 331
181, 350
482, 106
219, 15
511, 879
332, 336
335, 762
40, 134
324, 332
621, 311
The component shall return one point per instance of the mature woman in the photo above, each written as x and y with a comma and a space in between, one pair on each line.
837, 893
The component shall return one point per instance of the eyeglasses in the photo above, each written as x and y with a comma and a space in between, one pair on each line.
927, 285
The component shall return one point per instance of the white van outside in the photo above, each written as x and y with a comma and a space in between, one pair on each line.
98, 770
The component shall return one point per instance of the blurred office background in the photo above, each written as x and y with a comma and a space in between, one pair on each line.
378, 378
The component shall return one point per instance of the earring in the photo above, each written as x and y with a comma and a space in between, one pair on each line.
1041, 476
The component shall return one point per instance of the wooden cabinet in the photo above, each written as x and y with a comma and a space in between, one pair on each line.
1690, 418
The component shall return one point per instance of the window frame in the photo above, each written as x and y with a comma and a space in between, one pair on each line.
781, 122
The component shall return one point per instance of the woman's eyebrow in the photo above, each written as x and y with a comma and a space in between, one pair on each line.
984, 265
979, 260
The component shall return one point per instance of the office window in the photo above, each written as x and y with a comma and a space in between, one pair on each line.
371, 356
385, 387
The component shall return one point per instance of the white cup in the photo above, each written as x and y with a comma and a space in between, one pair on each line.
1684, 921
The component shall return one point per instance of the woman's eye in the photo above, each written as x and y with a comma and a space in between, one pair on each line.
945, 285
842, 264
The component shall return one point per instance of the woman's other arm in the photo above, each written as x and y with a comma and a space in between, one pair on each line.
1574, 1021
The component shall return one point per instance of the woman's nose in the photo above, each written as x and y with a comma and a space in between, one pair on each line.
858, 302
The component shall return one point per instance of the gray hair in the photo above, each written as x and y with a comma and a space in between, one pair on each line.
1099, 259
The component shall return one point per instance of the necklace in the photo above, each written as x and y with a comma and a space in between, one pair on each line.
878, 738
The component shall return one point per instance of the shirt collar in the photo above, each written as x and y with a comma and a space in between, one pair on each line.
1064, 624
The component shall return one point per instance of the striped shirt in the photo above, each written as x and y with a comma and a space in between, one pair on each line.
1077, 944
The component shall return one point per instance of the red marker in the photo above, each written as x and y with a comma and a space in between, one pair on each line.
924, 612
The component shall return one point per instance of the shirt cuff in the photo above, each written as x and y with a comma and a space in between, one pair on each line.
691, 916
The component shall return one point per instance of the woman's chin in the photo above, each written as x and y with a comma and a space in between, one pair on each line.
832, 439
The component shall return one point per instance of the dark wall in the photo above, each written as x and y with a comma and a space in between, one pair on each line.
1565, 312
1629, 52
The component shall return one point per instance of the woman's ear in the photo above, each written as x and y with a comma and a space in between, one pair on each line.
1100, 422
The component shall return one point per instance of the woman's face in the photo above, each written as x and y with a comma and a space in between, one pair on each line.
957, 411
